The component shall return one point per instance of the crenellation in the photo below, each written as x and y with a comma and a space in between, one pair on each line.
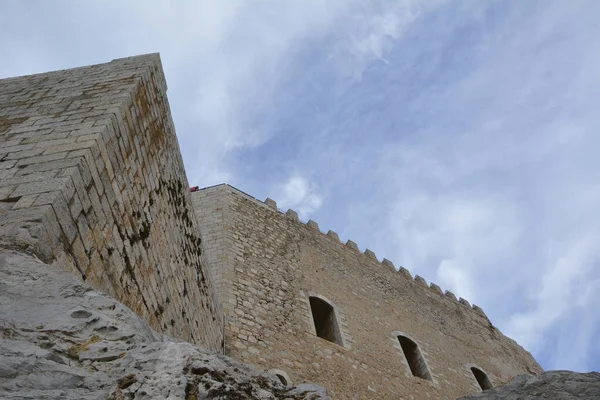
352, 245
388, 264
333, 235
420, 281
276, 265
479, 310
271, 203
313, 225
450, 295
292, 214
464, 302
436, 288
406, 273
370, 254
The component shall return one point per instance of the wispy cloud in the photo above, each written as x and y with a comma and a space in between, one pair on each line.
298, 194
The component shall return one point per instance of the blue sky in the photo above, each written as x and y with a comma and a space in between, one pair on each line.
457, 138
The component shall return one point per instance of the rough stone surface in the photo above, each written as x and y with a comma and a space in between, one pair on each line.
91, 176
266, 267
61, 339
555, 385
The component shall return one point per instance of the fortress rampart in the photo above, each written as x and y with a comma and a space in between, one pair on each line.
91, 174
270, 270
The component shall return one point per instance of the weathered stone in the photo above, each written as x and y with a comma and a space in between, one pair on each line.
99, 172
371, 254
555, 385
352, 244
333, 235
388, 264
274, 276
450, 295
60, 339
313, 225
271, 203
405, 273
420, 281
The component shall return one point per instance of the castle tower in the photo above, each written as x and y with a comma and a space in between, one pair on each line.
91, 175
303, 304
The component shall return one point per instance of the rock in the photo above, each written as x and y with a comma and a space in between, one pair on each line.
555, 385
60, 339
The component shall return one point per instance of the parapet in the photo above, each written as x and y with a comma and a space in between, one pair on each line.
304, 301
368, 254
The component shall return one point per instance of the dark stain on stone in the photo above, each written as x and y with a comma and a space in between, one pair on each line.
6, 123
10, 199
126, 381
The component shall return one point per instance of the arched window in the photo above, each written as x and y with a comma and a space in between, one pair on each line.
325, 320
482, 378
414, 358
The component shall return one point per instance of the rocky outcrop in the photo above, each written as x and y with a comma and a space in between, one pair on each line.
555, 385
61, 339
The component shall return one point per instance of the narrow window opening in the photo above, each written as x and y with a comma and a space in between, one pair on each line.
325, 320
415, 359
282, 379
482, 379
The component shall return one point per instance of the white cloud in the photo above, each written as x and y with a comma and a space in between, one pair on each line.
224, 60
564, 287
476, 155
455, 278
298, 194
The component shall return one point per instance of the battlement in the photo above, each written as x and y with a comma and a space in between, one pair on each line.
303, 301
352, 246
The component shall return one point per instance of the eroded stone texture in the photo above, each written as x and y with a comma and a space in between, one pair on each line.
61, 339
91, 175
555, 385
267, 266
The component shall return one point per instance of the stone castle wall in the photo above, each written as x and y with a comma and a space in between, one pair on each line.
266, 265
91, 176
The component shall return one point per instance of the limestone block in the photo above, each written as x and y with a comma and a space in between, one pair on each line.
420, 281
436, 288
312, 225
333, 235
271, 203
405, 273
450, 295
292, 214
464, 302
352, 245
388, 264
370, 254
479, 310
